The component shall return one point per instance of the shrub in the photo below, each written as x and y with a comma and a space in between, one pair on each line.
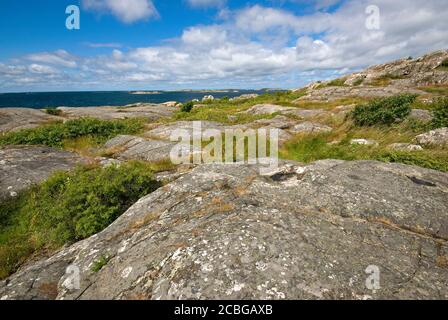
383, 111
68, 207
187, 107
445, 63
53, 111
53, 135
440, 113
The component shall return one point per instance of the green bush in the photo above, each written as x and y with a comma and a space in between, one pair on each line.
53, 111
53, 135
187, 107
68, 207
440, 113
383, 111
445, 63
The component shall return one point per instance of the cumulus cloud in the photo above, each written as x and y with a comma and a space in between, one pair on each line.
244, 50
127, 11
58, 58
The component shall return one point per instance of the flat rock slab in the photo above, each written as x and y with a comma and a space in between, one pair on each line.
260, 109
152, 112
137, 148
300, 232
335, 93
20, 167
165, 131
310, 127
13, 119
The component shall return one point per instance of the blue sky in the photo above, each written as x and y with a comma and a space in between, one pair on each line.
170, 44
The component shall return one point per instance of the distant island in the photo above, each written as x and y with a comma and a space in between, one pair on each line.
145, 92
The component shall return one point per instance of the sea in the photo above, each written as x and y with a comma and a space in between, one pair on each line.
41, 100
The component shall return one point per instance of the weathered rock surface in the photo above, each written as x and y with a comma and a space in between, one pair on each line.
279, 122
438, 137
310, 127
136, 148
404, 75
165, 131
152, 112
407, 72
421, 115
336, 93
405, 147
13, 119
20, 167
225, 231
364, 142
260, 109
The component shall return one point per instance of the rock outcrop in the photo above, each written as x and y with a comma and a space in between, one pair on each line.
438, 137
152, 112
20, 167
13, 119
404, 75
228, 232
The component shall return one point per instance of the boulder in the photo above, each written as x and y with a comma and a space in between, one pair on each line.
364, 142
438, 137
405, 147
21, 167
421, 115
208, 98
299, 232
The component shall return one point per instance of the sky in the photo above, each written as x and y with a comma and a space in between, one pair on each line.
207, 44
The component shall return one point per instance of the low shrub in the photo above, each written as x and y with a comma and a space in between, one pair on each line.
53, 135
383, 111
187, 107
440, 113
68, 207
53, 111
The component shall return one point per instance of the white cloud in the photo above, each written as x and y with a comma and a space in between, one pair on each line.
103, 45
253, 47
127, 11
58, 58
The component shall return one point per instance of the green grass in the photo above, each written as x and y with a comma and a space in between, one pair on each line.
436, 89
333, 83
220, 110
444, 65
56, 134
100, 263
316, 147
68, 207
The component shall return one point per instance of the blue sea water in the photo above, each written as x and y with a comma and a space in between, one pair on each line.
40, 100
